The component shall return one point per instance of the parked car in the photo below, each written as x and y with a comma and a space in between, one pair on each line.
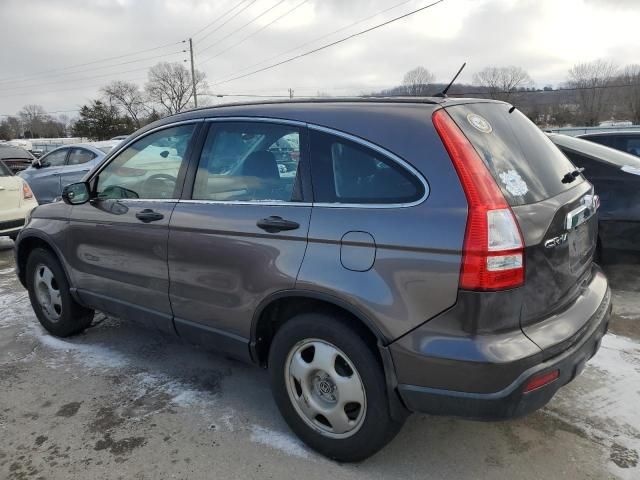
47, 176
616, 178
16, 202
16, 158
425, 256
628, 142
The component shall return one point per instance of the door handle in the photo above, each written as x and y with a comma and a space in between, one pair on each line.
147, 215
276, 224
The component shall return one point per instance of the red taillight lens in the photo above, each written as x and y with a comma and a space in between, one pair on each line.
26, 191
493, 256
539, 381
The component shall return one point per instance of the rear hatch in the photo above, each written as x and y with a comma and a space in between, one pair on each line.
555, 211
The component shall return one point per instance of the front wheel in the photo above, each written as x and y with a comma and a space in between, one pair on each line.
330, 387
50, 297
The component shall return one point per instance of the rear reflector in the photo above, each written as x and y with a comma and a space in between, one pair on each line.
539, 381
493, 250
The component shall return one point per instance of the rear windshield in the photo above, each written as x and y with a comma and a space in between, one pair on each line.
524, 162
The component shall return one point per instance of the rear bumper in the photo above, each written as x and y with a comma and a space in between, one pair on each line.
11, 227
510, 401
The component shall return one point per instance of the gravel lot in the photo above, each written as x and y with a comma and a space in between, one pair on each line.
122, 402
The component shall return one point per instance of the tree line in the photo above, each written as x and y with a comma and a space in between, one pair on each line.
591, 93
121, 108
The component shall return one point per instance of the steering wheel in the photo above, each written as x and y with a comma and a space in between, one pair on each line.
159, 185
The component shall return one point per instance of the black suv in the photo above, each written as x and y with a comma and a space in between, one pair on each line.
429, 255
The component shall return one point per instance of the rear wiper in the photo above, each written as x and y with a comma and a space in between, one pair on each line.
571, 176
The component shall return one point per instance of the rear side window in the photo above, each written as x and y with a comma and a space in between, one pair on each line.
347, 172
78, 156
524, 162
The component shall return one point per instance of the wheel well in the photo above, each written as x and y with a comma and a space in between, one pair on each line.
26, 246
281, 310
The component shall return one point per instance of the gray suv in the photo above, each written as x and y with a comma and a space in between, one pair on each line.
430, 255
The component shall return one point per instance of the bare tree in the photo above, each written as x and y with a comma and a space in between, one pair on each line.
416, 81
127, 95
630, 91
33, 118
169, 85
591, 81
503, 82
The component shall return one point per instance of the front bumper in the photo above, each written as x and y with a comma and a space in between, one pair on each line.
510, 401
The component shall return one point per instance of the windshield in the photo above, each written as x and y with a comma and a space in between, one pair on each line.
4, 170
596, 151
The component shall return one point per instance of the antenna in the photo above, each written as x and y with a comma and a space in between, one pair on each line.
443, 93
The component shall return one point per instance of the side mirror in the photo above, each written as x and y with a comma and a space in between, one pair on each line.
36, 163
76, 193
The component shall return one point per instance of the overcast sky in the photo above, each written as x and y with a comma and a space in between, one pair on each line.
545, 37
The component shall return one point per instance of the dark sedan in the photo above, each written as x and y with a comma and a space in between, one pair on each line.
616, 177
16, 158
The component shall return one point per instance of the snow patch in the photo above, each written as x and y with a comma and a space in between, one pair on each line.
279, 441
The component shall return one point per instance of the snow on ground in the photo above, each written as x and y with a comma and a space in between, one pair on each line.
279, 441
605, 403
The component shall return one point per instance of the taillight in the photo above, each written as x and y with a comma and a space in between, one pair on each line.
493, 250
26, 191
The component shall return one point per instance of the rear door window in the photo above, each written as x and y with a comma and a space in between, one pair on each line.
343, 171
526, 165
78, 156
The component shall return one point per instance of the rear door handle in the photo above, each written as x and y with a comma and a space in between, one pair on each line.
276, 224
147, 215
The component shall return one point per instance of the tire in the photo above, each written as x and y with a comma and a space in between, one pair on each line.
298, 351
50, 298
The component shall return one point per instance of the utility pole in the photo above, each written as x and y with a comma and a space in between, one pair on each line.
193, 75
291, 93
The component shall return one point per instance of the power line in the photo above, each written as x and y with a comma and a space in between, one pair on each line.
137, 60
22, 77
291, 10
243, 26
328, 45
45, 113
229, 19
12, 89
75, 88
218, 18
322, 37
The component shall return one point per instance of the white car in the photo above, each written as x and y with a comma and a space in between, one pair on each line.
16, 201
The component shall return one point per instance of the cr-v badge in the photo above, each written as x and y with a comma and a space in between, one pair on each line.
555, 241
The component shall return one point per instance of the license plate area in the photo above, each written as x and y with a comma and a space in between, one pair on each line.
580, 246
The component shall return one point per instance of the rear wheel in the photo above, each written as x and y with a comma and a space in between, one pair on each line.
50, 297
330, 387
